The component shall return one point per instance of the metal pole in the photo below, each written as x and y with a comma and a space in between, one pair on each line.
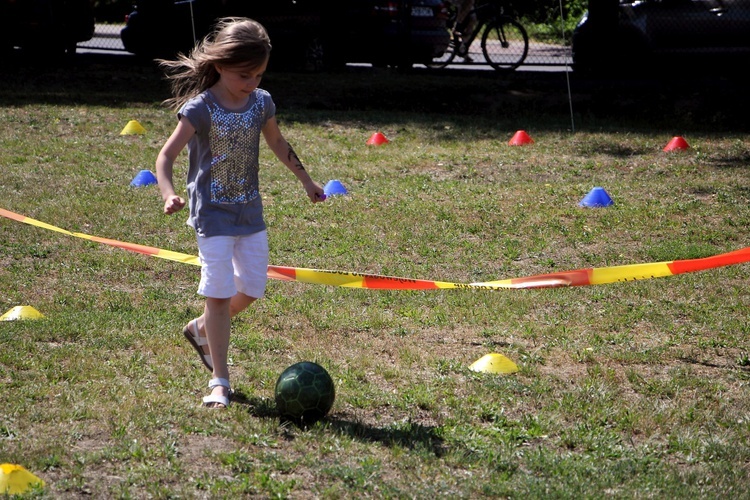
567, 71
192, 17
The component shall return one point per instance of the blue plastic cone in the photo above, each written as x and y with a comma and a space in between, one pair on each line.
334, 187
597, 197
144, 178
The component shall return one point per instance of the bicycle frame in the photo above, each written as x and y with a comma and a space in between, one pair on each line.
503, 40
485, 13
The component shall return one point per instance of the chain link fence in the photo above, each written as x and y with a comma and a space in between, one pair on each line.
106, 39
619, 31
543, 49
540, 53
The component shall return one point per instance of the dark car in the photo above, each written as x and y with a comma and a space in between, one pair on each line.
663, 33
310, 34
49, 26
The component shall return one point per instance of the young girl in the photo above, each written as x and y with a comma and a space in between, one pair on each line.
222, 114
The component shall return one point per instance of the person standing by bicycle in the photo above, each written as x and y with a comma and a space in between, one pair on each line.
483, 25
466, 22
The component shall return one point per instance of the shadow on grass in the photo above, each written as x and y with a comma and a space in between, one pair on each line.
742, 365
538, 100
408, 434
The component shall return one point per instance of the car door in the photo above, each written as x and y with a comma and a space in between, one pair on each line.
686, 26
735, 17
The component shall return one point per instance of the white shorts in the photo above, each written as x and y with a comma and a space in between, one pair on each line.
231, 264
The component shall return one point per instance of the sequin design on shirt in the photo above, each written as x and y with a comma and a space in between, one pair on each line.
234, 139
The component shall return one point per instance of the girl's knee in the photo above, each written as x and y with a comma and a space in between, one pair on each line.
239, 303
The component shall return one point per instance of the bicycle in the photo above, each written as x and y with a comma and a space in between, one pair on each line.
504, 42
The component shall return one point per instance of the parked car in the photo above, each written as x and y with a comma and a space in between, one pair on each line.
648, 33
49, 26
311, 34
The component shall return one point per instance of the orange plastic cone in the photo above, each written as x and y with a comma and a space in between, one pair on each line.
377, 139
677, 143
520, 138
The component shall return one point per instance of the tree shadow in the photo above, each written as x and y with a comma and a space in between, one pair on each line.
538, 100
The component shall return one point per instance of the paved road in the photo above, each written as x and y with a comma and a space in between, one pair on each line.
106, 39
541, 57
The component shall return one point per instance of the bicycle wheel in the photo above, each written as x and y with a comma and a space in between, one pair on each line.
505, 44
447, 57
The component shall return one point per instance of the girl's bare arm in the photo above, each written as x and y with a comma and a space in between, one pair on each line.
284, 152
165, 162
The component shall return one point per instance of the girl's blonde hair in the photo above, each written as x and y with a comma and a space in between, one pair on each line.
235, 41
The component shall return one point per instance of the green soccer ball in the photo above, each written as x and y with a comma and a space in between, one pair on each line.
304, 393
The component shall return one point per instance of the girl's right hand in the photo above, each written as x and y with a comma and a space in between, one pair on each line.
173, 204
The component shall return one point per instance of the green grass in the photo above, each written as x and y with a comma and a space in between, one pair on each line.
636, 389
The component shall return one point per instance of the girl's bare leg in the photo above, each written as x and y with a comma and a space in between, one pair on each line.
238, 303
217, 325
216, 319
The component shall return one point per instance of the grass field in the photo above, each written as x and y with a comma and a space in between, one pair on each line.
628, 390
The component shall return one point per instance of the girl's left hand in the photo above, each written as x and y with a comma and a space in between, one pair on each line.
173, 204
315, 192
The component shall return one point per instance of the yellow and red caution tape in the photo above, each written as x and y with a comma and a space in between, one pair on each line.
578, 277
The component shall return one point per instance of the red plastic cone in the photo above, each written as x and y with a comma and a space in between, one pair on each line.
377, 139
520, 138
676, 143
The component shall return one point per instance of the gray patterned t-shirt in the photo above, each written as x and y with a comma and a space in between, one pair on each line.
222, 182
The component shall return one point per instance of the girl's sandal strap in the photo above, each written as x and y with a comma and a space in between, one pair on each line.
224, 400
216, 399
198, 342
216, 382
